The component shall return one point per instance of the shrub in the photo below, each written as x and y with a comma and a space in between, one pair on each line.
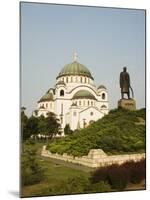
31, 171
101, 174
115, 133
73, 185
137, 170
118, 177
98, 187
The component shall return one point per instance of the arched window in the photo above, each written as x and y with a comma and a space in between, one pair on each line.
81, 79
66, 79
91, 113
88, 103
91, 103
79, 103
61, 92
103, 106
85, 80
71, 79
103, 95
63, 79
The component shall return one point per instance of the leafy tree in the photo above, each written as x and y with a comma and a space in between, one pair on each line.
42, 125
32, 125
53, 125
67, 130
31, 170
48, 125
24, 121
39, 125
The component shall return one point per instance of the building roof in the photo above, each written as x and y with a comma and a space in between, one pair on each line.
75, 68
60, 83
83, 94
101, 87
47, 97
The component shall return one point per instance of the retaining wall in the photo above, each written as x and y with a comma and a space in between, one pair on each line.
95, 158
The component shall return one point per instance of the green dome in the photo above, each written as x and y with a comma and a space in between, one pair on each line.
47, 97
75, 68
102, 87
83, 94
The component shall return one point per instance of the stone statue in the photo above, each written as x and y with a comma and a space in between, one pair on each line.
128, 103
125, 83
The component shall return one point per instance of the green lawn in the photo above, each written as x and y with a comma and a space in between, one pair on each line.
56, 177
56, 174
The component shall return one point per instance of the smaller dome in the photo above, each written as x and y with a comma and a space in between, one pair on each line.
60, 83
83, 94
47, 97
101, 87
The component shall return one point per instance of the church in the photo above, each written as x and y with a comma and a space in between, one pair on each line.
74, 99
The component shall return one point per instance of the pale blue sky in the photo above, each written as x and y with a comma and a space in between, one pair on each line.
105, 39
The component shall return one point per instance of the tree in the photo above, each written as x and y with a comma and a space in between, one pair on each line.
32, 126
31, 170
52, 125
67, 130
24, 121
48, 125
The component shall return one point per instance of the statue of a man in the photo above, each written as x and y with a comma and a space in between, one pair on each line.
125, 83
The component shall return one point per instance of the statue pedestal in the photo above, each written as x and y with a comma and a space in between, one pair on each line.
128, 104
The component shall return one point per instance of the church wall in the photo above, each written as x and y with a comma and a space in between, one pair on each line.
42, 112
101, 92
76, 79
74, 118
99, 105
62, 107
48, 107
83, 87
88, 115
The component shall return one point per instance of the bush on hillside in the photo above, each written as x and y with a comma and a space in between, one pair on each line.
98, 187
137, 170
118, 132
31, 171
118, 176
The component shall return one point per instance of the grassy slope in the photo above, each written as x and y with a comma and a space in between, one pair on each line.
120, 131
57, 175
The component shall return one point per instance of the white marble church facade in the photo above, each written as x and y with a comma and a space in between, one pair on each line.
75, 99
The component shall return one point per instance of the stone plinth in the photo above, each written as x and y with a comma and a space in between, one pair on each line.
128, 104
96, 153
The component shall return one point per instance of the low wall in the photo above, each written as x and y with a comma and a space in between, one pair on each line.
95, 158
